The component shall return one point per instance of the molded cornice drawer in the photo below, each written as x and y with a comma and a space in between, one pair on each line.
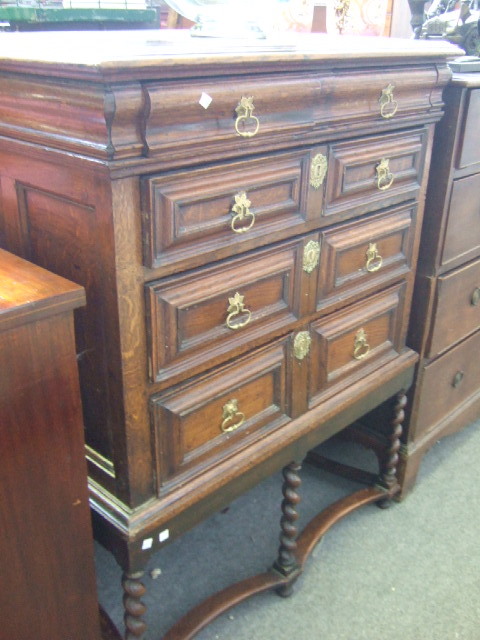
469, 146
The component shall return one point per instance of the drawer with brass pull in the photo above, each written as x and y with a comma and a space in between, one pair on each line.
210, 213
199, 319
371, 173
447, 383
348, 344
362, 256
239, 116
457, 307
219, 413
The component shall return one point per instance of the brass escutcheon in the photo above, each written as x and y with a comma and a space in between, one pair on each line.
475, 299
311, 256
388, 106
384, 175
361, 348
318, 170
230, 414
236, 307
374, 259
301, 345
240, 212
244, 111
457, 379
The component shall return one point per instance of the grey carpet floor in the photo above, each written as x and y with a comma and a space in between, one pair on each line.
411, 572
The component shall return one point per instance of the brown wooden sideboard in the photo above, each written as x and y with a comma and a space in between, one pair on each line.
245, 220
47, 579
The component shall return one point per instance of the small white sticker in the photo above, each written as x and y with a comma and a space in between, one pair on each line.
164, 535
205, 100
147, 544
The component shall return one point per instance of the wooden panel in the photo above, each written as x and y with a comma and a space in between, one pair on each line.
294, 104
347, 269
462, 235
190, 324
448, 383
61, 235
47, 580
335, 337
457, 307
188, 214
188, 421
470, 134
353, 186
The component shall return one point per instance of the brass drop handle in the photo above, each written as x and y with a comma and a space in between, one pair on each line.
374, 259
457, 379
232, 417
236, 307
388, 105
361, 348
243, 219
384, 175
244, 111
475, 299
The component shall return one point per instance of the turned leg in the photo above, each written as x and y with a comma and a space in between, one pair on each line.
388, 470
134, 607
286, 562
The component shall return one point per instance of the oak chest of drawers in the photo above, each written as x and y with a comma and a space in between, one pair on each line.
445, 321
246, 224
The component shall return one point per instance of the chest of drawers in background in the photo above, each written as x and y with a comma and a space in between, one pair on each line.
445, 324
246, 225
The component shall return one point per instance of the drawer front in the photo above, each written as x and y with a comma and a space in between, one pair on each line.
265, 112
373, 173
199, 319
199, 422
462, 236
351, 343
212, 213
358, 257
448, 382
457, 307
469, 150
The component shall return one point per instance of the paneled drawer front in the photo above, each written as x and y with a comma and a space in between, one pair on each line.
218, 414
218, 211
462, 236
200, 318
374, 172
448, 382
277, 109
469, 150
350, 343
361, 256
457, 309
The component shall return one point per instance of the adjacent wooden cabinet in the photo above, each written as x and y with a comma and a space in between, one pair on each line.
445, 324
245, 220
48, 588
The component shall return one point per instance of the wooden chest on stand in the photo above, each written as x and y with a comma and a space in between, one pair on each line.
245, 221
